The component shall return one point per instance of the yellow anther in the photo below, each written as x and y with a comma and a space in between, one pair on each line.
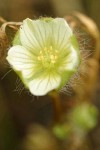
52, 61
56, 51
52, 56
48, 55
42, 57
45, 49
39, 58
51, 48
40, 52
55, 57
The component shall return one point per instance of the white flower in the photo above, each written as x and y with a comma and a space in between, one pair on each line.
45, 54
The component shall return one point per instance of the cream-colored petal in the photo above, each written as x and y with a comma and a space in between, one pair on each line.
21, 59
61, 33
34, 34
72, 61
40, 33
41, 86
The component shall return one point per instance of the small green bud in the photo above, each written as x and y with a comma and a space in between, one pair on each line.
62, 131
84, 117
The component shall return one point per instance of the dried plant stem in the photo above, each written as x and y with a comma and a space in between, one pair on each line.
57, 105
11, 24
2, 20
86, 91
93, 30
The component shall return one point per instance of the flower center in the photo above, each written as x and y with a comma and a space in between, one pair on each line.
48, 56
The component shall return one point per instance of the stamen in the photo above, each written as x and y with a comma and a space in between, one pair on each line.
52, 56
50, 48
42, 57
53, 61
39, 58
48, 55
56, 57
40, 52
56, 51
45, 49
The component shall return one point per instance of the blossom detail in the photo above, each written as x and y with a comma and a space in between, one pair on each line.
45, 57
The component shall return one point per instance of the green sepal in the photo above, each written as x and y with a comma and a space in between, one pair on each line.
74, 42
46, 19
65, 76
16, 40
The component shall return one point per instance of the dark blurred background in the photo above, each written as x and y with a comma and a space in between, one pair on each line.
18, 10
19, 110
